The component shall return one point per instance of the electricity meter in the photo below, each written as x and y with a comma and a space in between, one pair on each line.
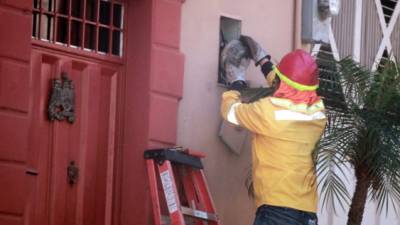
316, 19
328, 8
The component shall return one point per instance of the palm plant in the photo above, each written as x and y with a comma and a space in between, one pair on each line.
363, 133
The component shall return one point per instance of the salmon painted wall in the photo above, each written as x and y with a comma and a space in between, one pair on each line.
271, 23
276, 25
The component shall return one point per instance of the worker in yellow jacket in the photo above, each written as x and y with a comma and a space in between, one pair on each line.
286, 128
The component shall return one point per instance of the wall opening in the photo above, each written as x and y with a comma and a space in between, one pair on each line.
230, 29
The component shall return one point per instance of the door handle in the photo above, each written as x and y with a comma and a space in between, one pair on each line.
72, 173
31, 172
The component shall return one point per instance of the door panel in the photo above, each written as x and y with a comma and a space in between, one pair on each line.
15, 116
14, 136
10, 220
42, 69
14, 189
14, 83
88, 142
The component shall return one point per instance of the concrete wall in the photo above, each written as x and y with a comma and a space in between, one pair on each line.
272, 24
153, 87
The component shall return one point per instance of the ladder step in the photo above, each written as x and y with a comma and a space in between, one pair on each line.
199, 214
161, 155
165, 220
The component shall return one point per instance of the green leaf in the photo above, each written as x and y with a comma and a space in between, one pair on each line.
363, 129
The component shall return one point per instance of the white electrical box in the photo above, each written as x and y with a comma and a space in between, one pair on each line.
316, 19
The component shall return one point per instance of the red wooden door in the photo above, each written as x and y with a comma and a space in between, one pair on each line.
88, 143
43, 39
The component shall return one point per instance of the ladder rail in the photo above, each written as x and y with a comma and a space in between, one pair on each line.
153, 184
191, 194
171, 193
163, 167
203, 192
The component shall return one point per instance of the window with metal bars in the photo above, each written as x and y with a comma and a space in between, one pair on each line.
388, 9
91, 25
329, 85
383, 60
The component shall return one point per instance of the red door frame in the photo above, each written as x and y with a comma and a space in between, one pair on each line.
147, 108
154, 86
15, 113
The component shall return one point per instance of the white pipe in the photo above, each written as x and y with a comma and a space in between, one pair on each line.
297, 25
357, 31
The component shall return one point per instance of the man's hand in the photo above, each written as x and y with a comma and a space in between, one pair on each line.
238, 85
267, 67
257, 53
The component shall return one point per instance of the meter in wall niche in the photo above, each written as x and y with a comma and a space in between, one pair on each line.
232, 136
328, 8
230, 29
316, 19
334, 7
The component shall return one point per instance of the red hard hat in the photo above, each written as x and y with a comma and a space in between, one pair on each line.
300, 67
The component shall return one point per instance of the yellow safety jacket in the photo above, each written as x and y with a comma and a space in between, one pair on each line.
284, 136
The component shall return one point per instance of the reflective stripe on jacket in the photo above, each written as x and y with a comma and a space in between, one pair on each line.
284, 136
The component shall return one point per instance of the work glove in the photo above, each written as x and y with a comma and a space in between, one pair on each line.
266, 68
238, 85
257, 53
235, 61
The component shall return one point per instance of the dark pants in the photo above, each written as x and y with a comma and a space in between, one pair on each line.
273, 215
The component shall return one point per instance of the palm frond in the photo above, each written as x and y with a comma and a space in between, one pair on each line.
363, 129
387, 192
331, 184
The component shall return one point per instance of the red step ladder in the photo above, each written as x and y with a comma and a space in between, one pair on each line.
178, 169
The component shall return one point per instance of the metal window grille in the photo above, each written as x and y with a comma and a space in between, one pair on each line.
388, 9
91, 25
329, 85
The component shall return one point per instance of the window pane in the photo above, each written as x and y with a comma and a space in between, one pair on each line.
62, 30
46, 27
117, 43
117, 20
48, 5
90, 37
77, 8
104, 38
105, 9
35, 4
91, 10
76, 33
35, 24
63, 7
